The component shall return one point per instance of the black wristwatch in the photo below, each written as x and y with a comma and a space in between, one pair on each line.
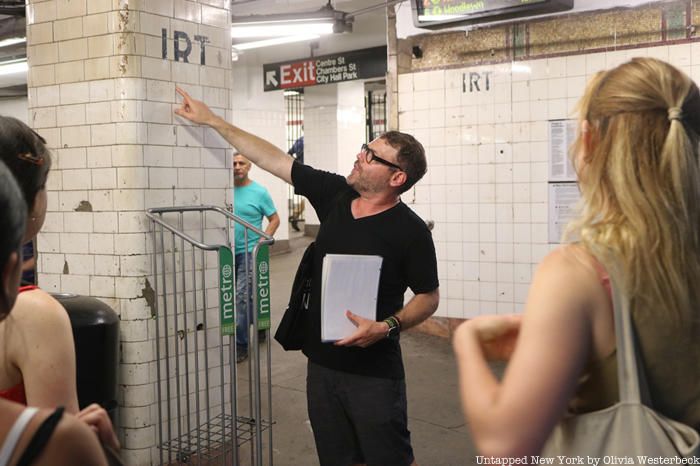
394, 327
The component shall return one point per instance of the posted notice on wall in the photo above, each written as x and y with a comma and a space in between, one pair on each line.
563, 199
562, 134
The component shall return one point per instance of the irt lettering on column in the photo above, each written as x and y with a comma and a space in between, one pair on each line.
202, 40
176, 44
183, 54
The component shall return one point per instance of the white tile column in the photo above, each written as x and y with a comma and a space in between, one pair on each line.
102, 76
334, 129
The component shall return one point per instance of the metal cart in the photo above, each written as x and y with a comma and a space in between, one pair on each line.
200, 391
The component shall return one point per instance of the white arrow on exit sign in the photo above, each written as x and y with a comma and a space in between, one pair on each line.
271, 78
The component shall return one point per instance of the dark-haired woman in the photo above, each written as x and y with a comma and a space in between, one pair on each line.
37, 357
31, 436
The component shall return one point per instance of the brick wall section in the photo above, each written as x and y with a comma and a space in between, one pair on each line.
102, 95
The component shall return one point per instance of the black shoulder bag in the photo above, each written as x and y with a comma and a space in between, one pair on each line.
291, 331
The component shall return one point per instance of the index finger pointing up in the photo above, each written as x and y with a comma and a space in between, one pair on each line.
182, 92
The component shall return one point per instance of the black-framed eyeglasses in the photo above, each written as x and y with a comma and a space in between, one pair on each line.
371, 155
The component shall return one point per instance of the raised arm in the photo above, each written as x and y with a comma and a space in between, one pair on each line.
262, 153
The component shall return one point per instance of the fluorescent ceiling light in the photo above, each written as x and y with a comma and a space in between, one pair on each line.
13, 67
281, 29
276, 41
12, 41
326, 20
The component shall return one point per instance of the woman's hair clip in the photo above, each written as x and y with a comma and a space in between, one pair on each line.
675, 113
31, 158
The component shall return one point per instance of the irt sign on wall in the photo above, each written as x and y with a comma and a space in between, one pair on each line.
326, 69
181, 38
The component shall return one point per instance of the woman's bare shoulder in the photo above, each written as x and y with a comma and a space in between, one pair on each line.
568, 275
38, 331
573, 261
38, 309
572, 255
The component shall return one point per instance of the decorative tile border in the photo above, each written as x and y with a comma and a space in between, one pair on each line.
579, 33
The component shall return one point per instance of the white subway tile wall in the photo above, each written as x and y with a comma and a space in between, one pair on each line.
103, 96
250, 116
485, 133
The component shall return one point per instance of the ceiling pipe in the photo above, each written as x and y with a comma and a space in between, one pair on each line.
368, 9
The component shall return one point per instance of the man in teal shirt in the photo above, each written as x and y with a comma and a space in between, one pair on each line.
251, 202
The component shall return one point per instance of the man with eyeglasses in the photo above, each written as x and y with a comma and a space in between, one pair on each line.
356, 390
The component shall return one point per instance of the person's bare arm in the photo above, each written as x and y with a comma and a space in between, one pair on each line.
70, 444
419, 308
41, 346
273, 224
554, 341
368, 332
262, 153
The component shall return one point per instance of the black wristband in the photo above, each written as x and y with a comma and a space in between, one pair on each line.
394, 326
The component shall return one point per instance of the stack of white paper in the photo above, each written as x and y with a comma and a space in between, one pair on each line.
349, 283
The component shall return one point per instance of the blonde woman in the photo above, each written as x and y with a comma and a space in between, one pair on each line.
637, 163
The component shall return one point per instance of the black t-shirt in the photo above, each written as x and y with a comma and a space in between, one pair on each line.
398, 235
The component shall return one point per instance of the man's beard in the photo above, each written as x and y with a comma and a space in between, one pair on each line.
360, 184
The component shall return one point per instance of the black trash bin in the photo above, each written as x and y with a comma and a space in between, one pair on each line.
96, 334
